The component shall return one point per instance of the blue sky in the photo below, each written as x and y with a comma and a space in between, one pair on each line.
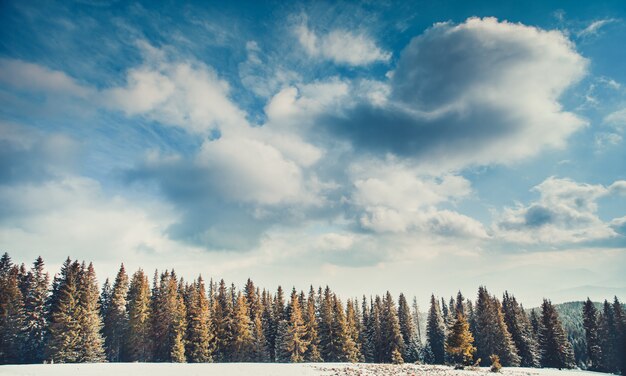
422, 147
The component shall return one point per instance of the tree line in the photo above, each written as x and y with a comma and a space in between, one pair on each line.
172, 320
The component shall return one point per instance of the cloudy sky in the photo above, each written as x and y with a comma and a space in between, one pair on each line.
423, 147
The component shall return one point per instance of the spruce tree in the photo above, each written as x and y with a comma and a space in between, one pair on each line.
115, 328
435, 334
352, 325
620, 329
521, 331
343, 347
592, 335
199, 334
492, 335
367, 349
459, 342
105, 298
36, 313
242, 339
390, 328
222, 321
168, 320
293, 343
12, 318
64, 342
268, 324
556, 351
89, 321
326, 327
312, 353
408, 330
139, 344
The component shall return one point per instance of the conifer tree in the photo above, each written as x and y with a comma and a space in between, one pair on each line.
417, 321
435, 333
556, 351
590, 323
35, 309
115, 328
89, 321
342, 345
367, 348
269, 325
105, 298
326, 327
408, 330
139, 340
199, 333
168, 320
63, 345
492, 335
222, 320
312, 353
352, 325
390, 327
521, 331
293, 343
620, 329
459, 342
242, 339
12, 319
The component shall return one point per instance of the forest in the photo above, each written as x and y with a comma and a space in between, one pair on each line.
70, 319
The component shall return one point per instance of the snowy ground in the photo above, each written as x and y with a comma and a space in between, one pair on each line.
264, 369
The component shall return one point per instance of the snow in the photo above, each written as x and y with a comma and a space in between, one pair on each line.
264, 369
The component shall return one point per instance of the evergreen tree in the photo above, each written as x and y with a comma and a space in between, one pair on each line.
492, 335
590, 323
293, 343
312, 353
326, 327
521, 331
63, 345
352, 325
556, 351
459, 342
390, 327
139, 344
89, 322
115, 328
12, 318
342, 345
168, 320
105, 298
242, 339
620, 338
367, 348
222, 320
268, 324
198, 343
408, 330
435, 333
36, 312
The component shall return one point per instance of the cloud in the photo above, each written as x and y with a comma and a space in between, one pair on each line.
341, 46
594, 28
616, 119
480, 92
565, 213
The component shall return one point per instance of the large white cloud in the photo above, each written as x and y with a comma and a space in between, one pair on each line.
565, 213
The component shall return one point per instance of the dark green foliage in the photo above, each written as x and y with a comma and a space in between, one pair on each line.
12, 318
592, 336
199, 334
390, 328
556, 351
521, 331
35, 313
409, 331
435, 334
115, 328
168, 320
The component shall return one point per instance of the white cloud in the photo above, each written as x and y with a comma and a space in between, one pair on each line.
616, 119
32, 77
341, 46
594, 28
565, 213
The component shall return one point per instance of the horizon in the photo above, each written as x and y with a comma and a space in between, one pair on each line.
425, 148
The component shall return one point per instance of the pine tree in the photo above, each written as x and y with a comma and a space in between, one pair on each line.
342, 345
89, 321
408, 330
36, 312
492, 335
521, 331
293, 344
367, 347
139, 344
590, 323
459, 342
222, 320
390, 328
199, 333
115, 328
63, 345
268, 324
352, 325
168, 320
12, 318
312, 353
556, 351
326, 327
105, 298
620, 338
242, 339
435, 333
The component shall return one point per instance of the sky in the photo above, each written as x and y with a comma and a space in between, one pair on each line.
418, 147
